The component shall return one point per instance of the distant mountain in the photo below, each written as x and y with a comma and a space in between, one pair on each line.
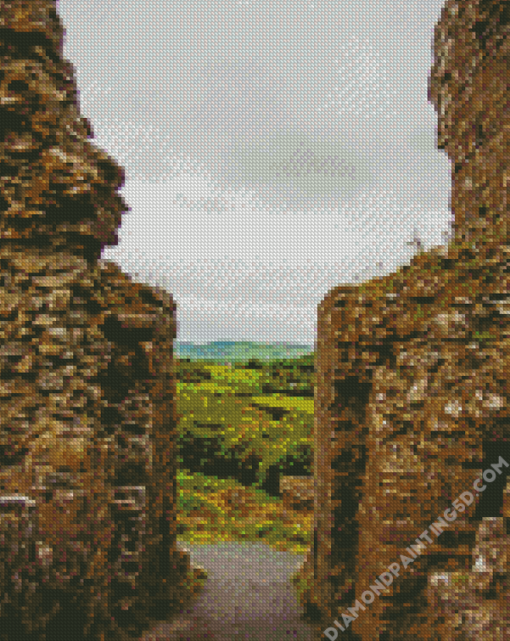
239, 351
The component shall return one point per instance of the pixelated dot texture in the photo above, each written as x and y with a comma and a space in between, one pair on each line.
87, 416
411, 392
412, 395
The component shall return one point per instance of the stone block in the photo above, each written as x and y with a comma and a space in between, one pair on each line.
297, 494
411, 398
87, 413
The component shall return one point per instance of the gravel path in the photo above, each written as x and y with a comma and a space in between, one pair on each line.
248, 595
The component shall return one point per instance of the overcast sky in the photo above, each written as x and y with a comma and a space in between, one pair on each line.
273, 149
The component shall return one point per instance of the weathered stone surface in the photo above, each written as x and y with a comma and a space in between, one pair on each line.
87, 416
56, 187
412, 397
297, 494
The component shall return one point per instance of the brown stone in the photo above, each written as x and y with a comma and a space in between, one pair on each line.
297, 494
87, 415
412, 376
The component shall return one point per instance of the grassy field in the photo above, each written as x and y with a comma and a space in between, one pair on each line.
213, 510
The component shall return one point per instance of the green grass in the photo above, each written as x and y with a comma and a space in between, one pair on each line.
213, 409
288, 403
212, 510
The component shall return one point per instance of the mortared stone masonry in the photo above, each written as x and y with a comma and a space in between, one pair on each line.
412, 395
87, 413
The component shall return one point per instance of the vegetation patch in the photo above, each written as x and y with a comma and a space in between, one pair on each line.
225, 409
212, 510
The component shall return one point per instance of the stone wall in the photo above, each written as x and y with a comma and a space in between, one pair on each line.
87, 415
412, 394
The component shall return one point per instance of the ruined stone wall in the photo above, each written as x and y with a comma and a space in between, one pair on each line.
412, 393
87, 415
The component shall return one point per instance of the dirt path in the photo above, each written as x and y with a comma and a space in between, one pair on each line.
248, 595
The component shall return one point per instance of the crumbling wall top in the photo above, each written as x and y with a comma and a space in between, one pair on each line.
56, 187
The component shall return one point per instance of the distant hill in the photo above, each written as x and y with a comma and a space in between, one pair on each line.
239, 351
